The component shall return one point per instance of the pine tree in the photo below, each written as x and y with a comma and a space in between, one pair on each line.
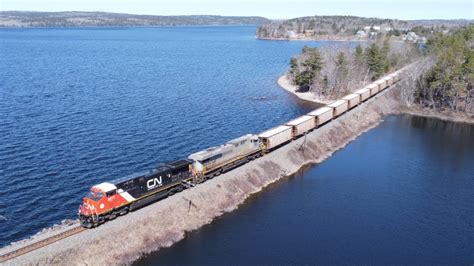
384, 52
309, 70
342, 64
375, 61
359, 55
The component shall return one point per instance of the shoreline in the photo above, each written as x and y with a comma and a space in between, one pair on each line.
312, 39
285, 84
444, 116
449, 116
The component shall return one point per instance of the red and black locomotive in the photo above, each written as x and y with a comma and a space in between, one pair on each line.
109, 200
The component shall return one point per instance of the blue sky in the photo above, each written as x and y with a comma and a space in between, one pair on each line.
404, 9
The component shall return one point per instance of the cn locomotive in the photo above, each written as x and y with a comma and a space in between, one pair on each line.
108, 200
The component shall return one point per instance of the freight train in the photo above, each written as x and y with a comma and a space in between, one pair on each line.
108, 200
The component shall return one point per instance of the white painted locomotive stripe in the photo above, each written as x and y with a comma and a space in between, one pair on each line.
127, 196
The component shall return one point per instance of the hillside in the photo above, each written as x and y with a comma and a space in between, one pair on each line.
86, 19
347, 27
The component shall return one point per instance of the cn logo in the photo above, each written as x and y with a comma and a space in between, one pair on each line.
155, 182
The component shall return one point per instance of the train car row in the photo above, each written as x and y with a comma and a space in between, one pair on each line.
108, 200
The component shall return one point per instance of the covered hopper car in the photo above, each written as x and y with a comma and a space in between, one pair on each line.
352, 99
374, 89
339, 107
364, 94
322, 115
301, 125
275, 137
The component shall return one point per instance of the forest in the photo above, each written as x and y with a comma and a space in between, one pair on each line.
324, 27
331, 72
448, 82
442, 72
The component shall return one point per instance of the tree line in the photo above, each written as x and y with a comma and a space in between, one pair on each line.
334, 71
448, 83
441, 78
348, 26
76, 19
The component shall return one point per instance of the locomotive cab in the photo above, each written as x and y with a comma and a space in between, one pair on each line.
101, 201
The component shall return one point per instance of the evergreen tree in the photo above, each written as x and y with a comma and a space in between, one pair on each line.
309, 69
384, 53
449, 82
342, 65
375, 61
359, 55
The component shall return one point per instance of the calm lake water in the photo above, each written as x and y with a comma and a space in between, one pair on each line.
83, 106
403, 193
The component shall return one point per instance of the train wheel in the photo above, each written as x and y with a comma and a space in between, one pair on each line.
88, 225
123, 212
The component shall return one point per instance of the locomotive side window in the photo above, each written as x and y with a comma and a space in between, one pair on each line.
111, 193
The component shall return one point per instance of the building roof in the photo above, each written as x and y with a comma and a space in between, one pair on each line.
320, 111
337, 103
274, 131
299, 120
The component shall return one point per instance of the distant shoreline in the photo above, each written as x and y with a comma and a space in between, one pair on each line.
71, 19
311, 39
126, 26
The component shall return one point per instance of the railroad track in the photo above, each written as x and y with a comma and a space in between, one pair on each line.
40, 244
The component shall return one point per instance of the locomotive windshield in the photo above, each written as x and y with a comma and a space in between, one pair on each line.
95, 195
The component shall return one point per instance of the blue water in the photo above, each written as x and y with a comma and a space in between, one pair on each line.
403, 193
82, 106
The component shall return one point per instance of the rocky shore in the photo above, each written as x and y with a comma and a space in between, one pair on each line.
285, 83
160, 225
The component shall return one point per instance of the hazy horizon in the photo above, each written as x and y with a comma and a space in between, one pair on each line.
272, 9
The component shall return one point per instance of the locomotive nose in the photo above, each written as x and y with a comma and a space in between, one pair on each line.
84, 208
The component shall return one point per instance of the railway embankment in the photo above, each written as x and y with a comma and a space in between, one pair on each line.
159, 225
